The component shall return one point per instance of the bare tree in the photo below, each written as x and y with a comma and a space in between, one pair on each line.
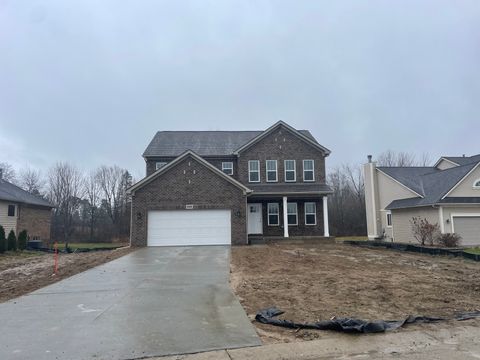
110, 182
8, 172
92, 193
391, 158
65, 190
31, 180
356, 182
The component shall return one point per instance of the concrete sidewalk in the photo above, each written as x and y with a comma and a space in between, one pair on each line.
458, 342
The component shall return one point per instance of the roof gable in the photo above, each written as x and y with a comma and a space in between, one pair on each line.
172, 164
11, 192
300, 134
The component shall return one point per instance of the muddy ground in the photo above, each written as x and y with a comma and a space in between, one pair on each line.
22, 273
316, 282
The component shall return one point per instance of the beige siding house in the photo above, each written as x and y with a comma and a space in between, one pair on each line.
447, 194
20, 210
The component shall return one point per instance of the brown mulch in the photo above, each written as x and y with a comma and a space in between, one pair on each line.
315, 282
25, 272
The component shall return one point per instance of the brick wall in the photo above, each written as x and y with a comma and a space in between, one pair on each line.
188, 182
281, 145
35, 220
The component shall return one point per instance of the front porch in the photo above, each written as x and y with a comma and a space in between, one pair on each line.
305, 214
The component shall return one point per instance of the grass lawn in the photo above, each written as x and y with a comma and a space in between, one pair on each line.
74, 246
475, 250
346, 238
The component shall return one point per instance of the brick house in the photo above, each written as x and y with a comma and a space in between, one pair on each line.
230, 187
20, 210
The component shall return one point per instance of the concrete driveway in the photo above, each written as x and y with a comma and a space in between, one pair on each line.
152, 302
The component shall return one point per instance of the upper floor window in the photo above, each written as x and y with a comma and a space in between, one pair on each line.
310, 213
227, 167
254, 171
476, 184
272, 173
159, 165
273, 214
308, 170
290, 171
11, 210
292, 214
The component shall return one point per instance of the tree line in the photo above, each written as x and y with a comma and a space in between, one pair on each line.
89, 206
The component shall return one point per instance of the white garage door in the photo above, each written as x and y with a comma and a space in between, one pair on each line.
189, 227
468, 227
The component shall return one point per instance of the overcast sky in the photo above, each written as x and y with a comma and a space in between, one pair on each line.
91, 81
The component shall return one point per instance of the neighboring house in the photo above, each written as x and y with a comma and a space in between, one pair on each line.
223, 187
20, 210
447, 193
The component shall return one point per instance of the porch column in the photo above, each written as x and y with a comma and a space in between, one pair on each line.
285, 217
326, 232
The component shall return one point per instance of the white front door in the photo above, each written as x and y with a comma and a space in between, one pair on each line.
255, 222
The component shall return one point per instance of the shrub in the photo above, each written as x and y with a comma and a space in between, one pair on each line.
22, 240
3, 241
423, 231
449, 240
12, 241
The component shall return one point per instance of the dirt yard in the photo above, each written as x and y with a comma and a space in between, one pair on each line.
316, 282
24, 272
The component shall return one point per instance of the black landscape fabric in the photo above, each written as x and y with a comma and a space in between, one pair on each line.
352, 325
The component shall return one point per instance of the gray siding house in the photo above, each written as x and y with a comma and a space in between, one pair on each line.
447, 193
230, 187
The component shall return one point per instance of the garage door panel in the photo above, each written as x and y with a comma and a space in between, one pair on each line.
468, 227
189, 227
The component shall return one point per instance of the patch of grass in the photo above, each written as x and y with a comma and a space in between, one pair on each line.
346, 238
475, 250
19, 254
74, 246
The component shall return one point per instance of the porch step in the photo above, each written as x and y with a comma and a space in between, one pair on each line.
259, 240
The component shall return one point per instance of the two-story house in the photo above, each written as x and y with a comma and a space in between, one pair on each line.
226, 187
447, 194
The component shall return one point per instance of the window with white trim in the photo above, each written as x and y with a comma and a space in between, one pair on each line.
476, 184
292, 214
160, 164
290, 171
273, 212
310, 213
308, 170
389, 218
227, 167
272, 173
253, 171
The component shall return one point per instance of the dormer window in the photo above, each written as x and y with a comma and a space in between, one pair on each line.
476, 184
159, 165
227, 167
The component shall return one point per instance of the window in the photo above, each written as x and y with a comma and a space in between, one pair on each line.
476, 184
11, 210
273, 214
292, 214
308, 169
254, 171
159, 165
310, 213
290, 171
272, 171
389, 219
227, 168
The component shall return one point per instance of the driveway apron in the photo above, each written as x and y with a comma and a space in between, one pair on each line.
152, 302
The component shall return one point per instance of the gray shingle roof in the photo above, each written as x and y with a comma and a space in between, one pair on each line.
409, 176
434, 184
289, 188
204, 143
463, 160
10, 192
